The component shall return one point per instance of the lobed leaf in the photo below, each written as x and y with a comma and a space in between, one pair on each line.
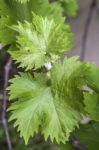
38, 41
55, 109
52, 109
12, 11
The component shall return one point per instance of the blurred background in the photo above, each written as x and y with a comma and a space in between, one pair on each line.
85, 27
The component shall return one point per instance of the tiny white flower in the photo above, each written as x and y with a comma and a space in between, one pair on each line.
48, 66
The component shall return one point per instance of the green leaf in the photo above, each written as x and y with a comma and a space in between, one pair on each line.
39, 110
93, 77
52, 109
91, 102
69, 77
56, 107
91, 97
38, 41
12, 11
71, 7
88, 135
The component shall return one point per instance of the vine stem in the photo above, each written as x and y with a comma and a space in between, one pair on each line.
7, 69
74, 141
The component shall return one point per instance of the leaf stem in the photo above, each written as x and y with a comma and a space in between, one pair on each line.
74, 141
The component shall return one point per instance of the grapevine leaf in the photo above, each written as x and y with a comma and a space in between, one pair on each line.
70, 7
12, 11
92, 105
6, 35
88, 135
39, 110
93, 77
38, 41
52, 109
